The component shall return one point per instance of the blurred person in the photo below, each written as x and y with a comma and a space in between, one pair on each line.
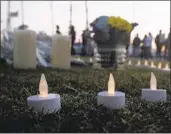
136, 45
168, 48
84, 43
145, 47
158, 44
149, 44
57, 30
72, 33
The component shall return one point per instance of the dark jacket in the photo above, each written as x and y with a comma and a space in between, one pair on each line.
136, 42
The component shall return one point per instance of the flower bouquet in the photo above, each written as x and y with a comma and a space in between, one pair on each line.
112, 34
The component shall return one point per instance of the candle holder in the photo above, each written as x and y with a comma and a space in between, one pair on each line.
153, 94
48, 103
111, 99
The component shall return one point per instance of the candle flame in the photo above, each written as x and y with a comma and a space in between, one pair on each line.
43, 87
111, 85
146, 63
167, 66
159, 65
153, 82
138, 63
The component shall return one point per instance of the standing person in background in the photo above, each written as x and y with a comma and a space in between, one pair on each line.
84, 42
136, 45
149, 44
57, 30
169, 47
145, 47
72, 33
158, 44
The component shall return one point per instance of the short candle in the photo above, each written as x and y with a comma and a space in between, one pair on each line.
152, 65
146, 63
159, 65
129, 63
153, 94
166, 68
48, 103
138, 63
111, 99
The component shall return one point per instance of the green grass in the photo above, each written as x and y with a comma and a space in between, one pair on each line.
80, 112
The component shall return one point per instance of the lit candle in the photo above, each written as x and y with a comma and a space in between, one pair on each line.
153, 94
152, 65
146, 63
159, 65
167, 69
90, 60
48, 103
111, 99
129, 63
78, 58
138, 63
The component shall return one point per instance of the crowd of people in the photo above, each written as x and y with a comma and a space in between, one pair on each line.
143, 48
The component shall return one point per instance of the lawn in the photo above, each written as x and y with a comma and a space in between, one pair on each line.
78, 88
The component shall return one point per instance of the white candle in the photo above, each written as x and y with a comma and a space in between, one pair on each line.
129, 62
153, 94
159, 65
166, 69
48, 103
24, 53
111, 99
146, 63
61, 51
138, 63
152, 65
90, 60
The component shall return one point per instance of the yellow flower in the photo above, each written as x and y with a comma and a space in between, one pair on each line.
119, 23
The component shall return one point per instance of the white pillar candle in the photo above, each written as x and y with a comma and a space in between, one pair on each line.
48, 103
153, 94
61, 51
24, 53
111, 99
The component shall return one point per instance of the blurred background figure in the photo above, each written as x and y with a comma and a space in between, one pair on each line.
158, 44
136, 46
57, 30
145, 47
72, 33
149, 45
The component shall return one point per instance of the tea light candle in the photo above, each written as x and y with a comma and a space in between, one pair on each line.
138, 63
159, 65
153, 94
167, 69
129, 63
152, 65
146, 63
48, 103
91, 60
111, 99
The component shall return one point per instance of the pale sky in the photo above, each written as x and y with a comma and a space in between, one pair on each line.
151, 15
